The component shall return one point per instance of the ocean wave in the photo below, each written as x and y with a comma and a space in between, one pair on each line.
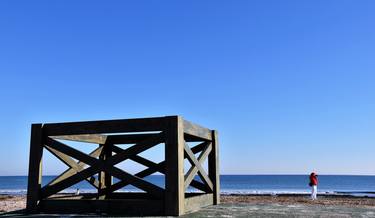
223, 191
13, 191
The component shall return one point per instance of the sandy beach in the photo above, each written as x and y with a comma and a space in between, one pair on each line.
11, 203
329, 200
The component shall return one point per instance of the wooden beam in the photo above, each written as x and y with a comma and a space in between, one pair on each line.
197, 131
69, 172
101, 177
191, 138
141, 160
35, 168
146, 172
136, 149
47, 191
213, 167
69, 151
174, 160
108, 179
200, 186
129, 138
194, 169
89, 138
74, 167
93, 196
150, 188
105, 126
128, 207
196, 202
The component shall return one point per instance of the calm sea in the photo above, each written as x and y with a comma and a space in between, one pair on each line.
234, 184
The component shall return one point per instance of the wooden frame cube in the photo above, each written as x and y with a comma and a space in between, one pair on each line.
144, 133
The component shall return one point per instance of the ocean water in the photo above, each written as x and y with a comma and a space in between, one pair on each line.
234, 184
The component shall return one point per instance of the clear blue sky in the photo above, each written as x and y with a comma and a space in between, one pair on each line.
289, 85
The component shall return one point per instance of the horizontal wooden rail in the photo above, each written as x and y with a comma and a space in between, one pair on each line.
112, 126
197, 131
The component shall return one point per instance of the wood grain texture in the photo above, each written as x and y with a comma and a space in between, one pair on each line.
213, 167
105, 126
74, 166
35, 168
197, 166
88, 138
196, 131
128, 207
196, 202
174, 160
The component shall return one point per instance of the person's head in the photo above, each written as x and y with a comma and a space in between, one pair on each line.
313, 174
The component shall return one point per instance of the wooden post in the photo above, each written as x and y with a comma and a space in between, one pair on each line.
35, 168
101, 176
213, 167
174, 159
107, 176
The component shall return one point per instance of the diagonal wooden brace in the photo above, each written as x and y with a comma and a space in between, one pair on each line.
95, 165
197, 166
75, 167
156, 167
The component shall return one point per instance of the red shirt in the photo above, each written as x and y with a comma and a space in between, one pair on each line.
313, 179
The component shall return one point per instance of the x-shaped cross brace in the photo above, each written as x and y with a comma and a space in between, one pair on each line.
103, 165
196, 166
75, 167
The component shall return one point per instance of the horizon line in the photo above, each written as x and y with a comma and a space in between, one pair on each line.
267, 174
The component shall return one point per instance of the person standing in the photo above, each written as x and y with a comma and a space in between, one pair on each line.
314, 185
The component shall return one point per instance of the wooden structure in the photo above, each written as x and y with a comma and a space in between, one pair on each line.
99, 167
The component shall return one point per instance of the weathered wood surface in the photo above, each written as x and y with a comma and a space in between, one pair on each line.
196, 166
174, 173
196, 130
89, 138
74, 167
35, 168
139, 207
198, 201
144, 133
129, 138
159, 167
97, 165
109, 139
93, 196
108, 179
105, 126
213, 167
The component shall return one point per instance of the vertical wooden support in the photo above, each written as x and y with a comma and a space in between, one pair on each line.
35, 168
213, 167
107, 177
101, 176
174, 159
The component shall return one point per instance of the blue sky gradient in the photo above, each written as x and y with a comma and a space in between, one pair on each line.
289, 85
